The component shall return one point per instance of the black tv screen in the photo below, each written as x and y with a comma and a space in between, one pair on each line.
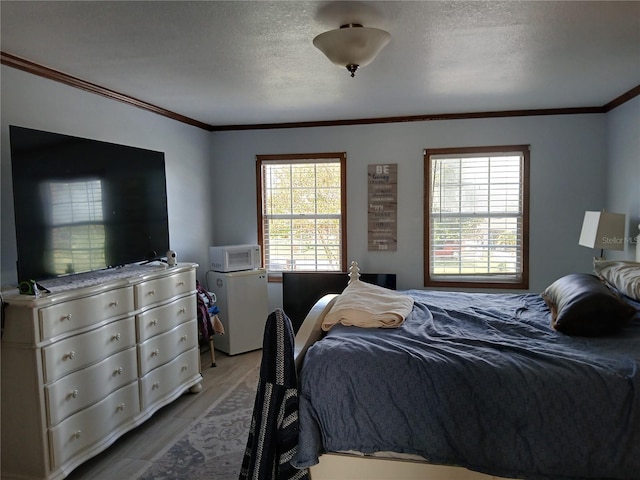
301, 290
82, 205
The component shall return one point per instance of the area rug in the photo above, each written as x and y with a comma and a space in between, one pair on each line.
213, 446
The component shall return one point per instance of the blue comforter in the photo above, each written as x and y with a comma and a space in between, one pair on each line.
481, 381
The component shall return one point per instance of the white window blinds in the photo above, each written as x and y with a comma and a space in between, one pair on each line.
476, 217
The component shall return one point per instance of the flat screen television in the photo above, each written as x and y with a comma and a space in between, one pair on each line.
301, 290
83, 205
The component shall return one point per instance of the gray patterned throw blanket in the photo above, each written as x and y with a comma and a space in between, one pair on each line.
480, 381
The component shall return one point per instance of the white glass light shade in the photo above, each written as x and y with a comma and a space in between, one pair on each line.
352, 44
603, 230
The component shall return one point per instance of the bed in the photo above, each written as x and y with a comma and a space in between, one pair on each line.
476, 386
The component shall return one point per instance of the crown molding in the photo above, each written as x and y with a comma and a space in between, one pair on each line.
625, 97
46, 72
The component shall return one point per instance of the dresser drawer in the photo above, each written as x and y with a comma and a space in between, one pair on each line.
82, 350
84, 312
93, 425
167, 379
85, 387
162, 319
160, 349
154, 291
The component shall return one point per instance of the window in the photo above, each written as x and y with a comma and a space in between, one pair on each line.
301, 224
477, 217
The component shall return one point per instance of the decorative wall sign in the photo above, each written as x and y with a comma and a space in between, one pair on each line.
383, 207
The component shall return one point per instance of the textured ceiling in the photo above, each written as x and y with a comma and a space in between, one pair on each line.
253, 62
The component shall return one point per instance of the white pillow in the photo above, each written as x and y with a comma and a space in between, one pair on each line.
623, 275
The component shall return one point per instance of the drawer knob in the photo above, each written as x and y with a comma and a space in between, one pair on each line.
77, 434
71, 355
182, 310
184, 338
116, 337
118, 371
120, 407
185, 367
154, 322
180, 284
155, 385
151, 292
114, 303
66, 317
155, 353
74, 394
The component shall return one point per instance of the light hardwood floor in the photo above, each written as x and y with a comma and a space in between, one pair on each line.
133, 452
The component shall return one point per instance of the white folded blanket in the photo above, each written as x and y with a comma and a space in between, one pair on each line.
362, 304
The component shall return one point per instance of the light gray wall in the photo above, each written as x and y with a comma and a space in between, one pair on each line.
568, 168
34, 102
623, 170
578, 163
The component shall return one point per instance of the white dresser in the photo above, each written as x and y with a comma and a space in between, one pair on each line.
92, 360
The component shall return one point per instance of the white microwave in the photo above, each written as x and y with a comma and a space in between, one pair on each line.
233, 258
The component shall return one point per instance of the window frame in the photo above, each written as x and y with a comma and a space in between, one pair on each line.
276, 276
482, 282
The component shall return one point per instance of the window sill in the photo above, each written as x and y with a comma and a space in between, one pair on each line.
522, 284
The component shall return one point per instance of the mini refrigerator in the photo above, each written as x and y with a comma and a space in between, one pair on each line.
242, 298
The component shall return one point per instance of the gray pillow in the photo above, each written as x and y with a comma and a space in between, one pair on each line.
623, 275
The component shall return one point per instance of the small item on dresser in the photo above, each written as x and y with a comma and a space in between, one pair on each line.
31, 287
171, 258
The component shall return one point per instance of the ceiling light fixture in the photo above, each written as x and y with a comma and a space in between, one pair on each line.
352, 45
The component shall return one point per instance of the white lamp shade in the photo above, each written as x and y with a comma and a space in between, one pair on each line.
603, 230
352, 45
